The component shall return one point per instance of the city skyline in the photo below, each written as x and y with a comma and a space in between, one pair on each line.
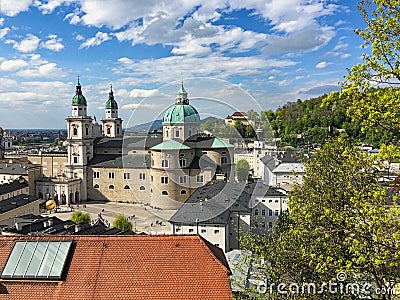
277, 51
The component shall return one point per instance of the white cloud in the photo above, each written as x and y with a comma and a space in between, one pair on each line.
174, 23
53, 43
49, 6
138, 93
79, 37
40, 68
166, 69
309, 39
73, 18
141, 106
322, 65
13, 65
29, 44
1, 21
3, 32
98, 39
12, 8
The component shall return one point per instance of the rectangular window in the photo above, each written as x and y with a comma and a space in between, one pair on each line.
96, 175
203, 231
142, 176
111, 175
270, 225
182, 179
191, 230
75, 159
216, 231
199, 179
263, 212
270, 212
127, 176
164, 180
182, 163
276, 212
224, 160
177, 133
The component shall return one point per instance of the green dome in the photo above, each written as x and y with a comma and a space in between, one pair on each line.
111, 103
181, 113
79, 99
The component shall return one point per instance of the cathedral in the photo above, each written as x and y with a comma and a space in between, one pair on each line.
105, 163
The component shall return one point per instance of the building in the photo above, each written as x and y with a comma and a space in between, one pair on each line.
14, 188
19, 205
13, 171
112, 267
285, 170
238, 117
103, 163
267, 203
218, 212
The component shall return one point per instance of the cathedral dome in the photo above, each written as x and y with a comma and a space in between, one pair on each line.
111, 103
79, 99
181, 112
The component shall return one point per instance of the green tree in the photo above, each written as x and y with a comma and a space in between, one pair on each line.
341, 220
382, 37
79, 217
122, 223
242, 170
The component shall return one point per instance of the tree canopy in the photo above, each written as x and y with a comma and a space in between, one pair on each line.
341, 220
242, 170
122, 223
79, 217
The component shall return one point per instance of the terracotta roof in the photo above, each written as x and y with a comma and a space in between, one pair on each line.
127, 267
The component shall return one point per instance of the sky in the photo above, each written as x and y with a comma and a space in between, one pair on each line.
274, 51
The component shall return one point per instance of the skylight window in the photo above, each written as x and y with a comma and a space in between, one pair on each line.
37, 260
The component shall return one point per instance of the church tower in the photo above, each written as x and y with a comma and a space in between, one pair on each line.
80, 140
181, 121
112, 125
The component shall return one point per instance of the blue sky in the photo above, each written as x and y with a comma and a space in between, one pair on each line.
275, 50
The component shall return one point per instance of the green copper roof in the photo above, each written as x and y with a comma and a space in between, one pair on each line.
180, 114
182, 90
170, 145
111, 103
218, 143
79, 99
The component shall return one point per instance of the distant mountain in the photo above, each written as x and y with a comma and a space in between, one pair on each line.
157, 124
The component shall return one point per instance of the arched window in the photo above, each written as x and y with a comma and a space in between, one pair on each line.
164, 163
75, 131
111, 187
142, 188
183, 192
166, 133
96, 186
164, 193
127, 187
87, 131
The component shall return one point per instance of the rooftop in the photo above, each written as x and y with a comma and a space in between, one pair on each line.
13, 186
15, 202
126, 267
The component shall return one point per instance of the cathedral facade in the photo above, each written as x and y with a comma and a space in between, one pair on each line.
105, 163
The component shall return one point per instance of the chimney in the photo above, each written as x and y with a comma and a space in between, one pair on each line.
18, 226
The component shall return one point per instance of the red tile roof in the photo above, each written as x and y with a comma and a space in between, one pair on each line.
128, 267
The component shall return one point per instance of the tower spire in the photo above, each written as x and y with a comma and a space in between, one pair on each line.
181, 97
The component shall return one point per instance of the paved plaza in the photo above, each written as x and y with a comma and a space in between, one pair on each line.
143, 218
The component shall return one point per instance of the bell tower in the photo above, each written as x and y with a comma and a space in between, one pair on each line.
112, 124
80, 140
